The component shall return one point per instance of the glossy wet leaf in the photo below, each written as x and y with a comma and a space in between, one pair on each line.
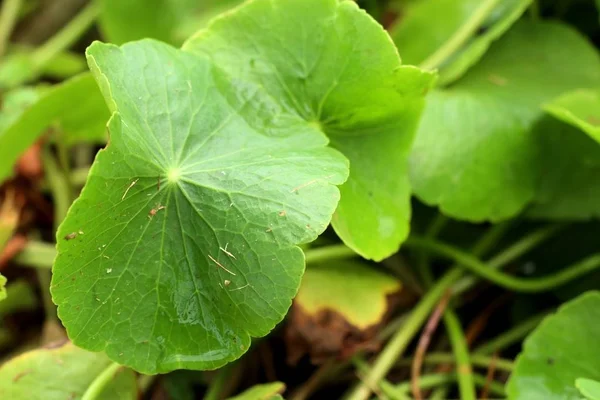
580, 108
475, 155
60, 373
350, 83
75, 107
562, 349
145, 271
427, 25
352, 289
267, 391
589, 388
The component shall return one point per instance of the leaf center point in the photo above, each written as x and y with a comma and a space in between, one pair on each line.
173, 175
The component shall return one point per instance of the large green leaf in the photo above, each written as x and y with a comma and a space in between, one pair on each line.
146, 271
61, 373
475, 155
563, 348
332, 65
580, 108
75, 107
428, 25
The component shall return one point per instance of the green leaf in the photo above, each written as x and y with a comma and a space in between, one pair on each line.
563, 348
568, 166
475, 155
170, 21
75, 107
266, 391
146, 271
427, 25
351, 85
580, 108
62, 373
589, 388
349, 288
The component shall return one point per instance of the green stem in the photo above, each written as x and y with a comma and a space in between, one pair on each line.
44, 277
478, 360
400, 340
79, 176
398, 343
63, 161
424, 269
433, 380
464, 371
461, 36
529, 285
67, 36
37, 255
327, 253
510, 254
510, 337
58, 186
8, 18
218, 383
534, 10
98, 385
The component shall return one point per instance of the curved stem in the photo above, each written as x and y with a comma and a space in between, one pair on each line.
511, 336
510, 254
461, 36
8, 18
530, 285
327, 253
67, 36
464, 372
95, 389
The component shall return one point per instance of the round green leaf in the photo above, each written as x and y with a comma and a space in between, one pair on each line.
475, 155
330, 63
182, 245
562, 349
60, 373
